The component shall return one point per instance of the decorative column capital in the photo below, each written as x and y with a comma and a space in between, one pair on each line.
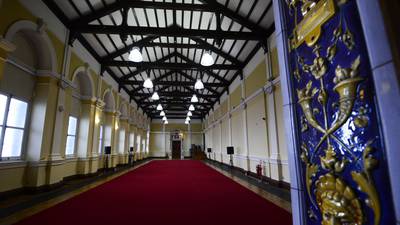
269, 89
5, 48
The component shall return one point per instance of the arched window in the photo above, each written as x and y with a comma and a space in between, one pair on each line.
71, 136
132, 139
121, 140
34, 52
101, 137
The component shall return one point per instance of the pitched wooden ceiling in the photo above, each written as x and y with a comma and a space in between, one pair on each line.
173, 35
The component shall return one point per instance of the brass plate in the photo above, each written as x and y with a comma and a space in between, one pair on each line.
309, 29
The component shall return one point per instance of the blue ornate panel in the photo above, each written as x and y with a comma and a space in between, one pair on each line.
343, 157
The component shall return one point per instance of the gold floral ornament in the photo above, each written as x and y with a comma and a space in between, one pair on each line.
361, 119
337, 201
346, 80
365, 182
330, 161
311, 170
305, 96
319, 66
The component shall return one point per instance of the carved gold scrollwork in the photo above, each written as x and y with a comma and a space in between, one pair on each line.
337, 201
366, 184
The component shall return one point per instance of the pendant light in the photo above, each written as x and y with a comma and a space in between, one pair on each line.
135, 55
148, 83
187, 118
155, 96
198, 85
166, 122
164, 118
194, 99
159, 107
162, 113
186, 122
189, 113
191, 108
207, 59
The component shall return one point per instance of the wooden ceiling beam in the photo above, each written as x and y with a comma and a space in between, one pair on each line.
128, 48
173, 83
140, 69
169, 31
237, 18
170, 66
175, 94
118, 5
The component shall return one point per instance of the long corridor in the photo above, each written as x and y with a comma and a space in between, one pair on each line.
178, 192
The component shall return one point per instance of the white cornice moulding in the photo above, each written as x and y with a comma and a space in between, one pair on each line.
12, 164
6, 45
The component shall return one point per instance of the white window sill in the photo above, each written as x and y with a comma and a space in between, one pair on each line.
12, 163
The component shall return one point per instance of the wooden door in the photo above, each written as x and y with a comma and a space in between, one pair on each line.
176, 149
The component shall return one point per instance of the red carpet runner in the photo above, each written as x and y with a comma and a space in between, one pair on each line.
166, 193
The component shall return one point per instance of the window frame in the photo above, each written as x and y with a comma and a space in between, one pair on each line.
101, 138
24, 130
75, 136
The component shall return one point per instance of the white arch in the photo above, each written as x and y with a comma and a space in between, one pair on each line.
43, 45
124, 110
85, 81
109, 100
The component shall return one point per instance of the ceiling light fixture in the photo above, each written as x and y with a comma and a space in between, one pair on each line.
207, 59
135, 55
166, 122
186, 122
148, 83
155, 96
198, 85
189, 113
191, 108
194, 99
187, 118
164, 118
162, 113
159, 107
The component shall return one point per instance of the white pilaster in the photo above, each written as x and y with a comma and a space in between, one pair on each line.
244, 122
272, 127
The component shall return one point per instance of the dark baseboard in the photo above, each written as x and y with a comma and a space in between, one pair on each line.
50, 187
276, 183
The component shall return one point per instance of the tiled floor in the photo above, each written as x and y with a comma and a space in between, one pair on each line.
16, 208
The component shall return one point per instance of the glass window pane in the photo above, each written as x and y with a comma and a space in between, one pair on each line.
100, 146
72, 125
101, 132
12, 142
100, 139
70, 147
17, 113
3, 103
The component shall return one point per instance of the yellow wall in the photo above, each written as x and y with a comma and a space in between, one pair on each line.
265, 126
256, 80
196, 127
274, 63
156, 127
45, 134
12, 11
235, 97
176, 126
